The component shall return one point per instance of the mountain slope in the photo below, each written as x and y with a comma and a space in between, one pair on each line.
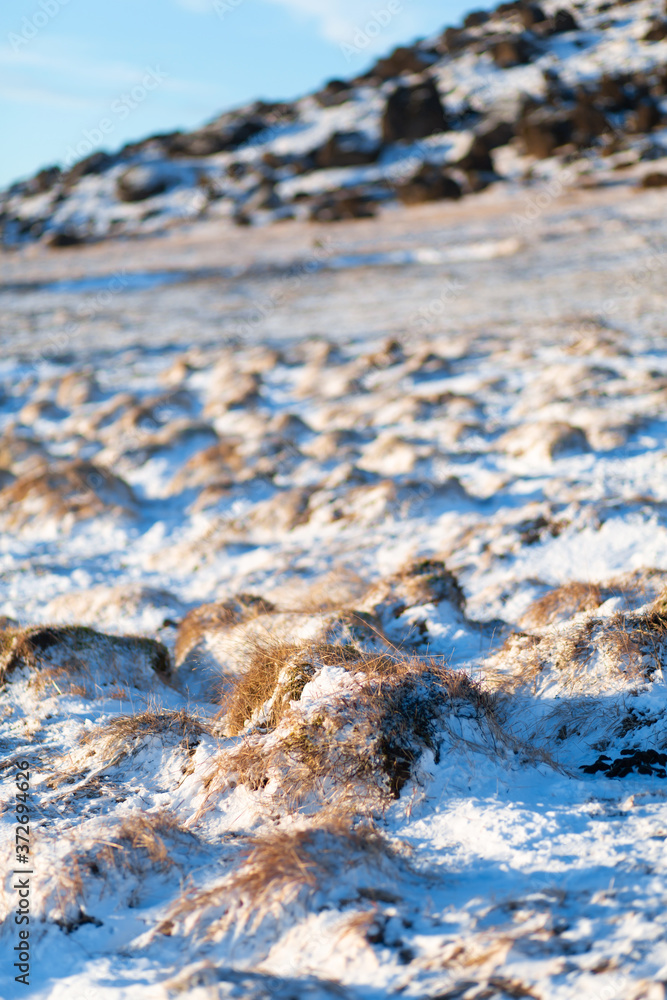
526, 91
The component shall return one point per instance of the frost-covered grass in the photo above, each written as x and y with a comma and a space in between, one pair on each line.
364, 695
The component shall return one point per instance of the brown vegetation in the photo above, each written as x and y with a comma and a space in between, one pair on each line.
141, 837
76, 490
364, 747
278, 867
111, 743
585, 657
104, 658
636, 588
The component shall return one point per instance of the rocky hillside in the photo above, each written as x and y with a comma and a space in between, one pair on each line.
526, 91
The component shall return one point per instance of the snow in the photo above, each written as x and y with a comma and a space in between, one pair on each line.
473, 392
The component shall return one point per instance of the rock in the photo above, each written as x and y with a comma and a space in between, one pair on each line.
646, 117
65, 237
401, 60
483, 142
413, 113
655, 179
346, 149
657, 32
96, 163
531, 14
544, 130
145, 181
562, 21
588, 121
232, 129
43, 181
85, 655
262, 198
512, 50
333, 93
455, 40
475, 18
612, 94
429, 183
477, 162
346, 204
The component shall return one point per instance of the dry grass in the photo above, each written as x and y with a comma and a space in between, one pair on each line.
112, 743
219, 615
72, 678
77, 488
140, 843
282, 866
111, 658
363, 749
338, 590
562, 603
141, 838
637, 587
584, 657
276, 671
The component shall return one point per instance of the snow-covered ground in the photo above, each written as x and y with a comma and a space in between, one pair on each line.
386, 505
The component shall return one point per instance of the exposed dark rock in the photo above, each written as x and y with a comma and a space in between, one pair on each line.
333, 93
649, 762
531, 14
613, 94
96, 163
646, 117
413, 113
455, 40
657, 32
562, 21
544, 130
345, 204
588, 121
512, 50
44, 180
63, 238
232, 129
429, 183
144, 181
346, 149
401, 60
264, 197
656, 179
478, 157
475, 18
478, 180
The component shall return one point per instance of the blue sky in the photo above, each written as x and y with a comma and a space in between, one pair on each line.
66, 65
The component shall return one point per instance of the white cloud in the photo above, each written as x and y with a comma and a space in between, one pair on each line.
45, 97
72, 72
340, 21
